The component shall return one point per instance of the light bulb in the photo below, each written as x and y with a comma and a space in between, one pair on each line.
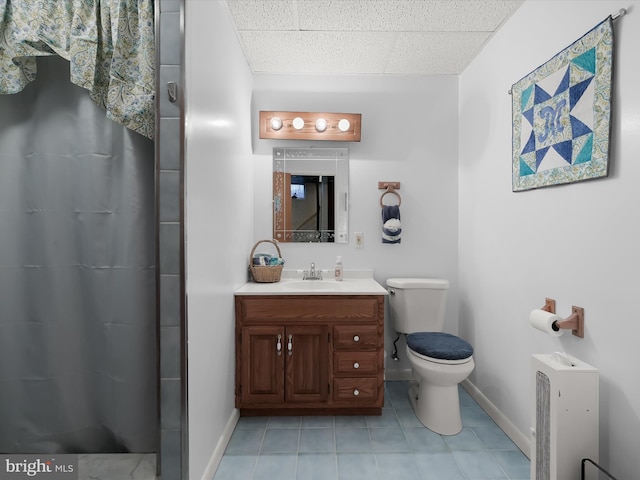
298, 123
276, 123
343, 125
321, 124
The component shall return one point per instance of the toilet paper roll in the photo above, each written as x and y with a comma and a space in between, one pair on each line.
543, 321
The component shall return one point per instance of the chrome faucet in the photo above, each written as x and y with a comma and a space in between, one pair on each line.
312, 273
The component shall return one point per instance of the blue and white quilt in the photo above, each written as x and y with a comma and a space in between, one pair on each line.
561, 114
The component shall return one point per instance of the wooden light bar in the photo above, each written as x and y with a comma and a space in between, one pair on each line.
336, 127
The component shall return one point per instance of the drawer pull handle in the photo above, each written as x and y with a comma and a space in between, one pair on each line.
356, 365
290, 345
279, 345
356, 338
356, 392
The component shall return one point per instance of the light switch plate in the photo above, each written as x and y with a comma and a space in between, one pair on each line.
359, 239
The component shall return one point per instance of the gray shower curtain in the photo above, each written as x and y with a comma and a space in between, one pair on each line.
77, 274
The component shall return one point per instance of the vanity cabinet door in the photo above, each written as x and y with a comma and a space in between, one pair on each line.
307, 364
284, 365
262, 369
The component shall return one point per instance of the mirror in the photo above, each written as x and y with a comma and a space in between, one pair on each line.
310, 194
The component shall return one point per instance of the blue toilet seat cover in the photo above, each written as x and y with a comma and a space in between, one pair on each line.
443, 346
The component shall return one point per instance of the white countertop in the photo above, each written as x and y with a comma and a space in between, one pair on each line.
358, 282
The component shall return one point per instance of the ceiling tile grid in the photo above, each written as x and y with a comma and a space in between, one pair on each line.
318, 52
392, 37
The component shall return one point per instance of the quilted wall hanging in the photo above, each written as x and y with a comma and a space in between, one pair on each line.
561, 114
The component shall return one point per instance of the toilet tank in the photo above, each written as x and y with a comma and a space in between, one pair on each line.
417, 304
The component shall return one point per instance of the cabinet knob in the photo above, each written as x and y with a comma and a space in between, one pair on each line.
356, 392
356, 338
356, 365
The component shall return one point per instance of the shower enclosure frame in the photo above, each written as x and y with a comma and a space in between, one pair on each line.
171, 322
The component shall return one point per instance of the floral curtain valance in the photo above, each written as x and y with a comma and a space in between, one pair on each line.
109, 44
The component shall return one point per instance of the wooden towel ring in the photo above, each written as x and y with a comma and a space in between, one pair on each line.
393, 192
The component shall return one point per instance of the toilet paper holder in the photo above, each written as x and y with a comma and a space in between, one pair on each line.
574, 322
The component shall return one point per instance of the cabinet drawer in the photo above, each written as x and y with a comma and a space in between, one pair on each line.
355, 362
356, 337
356, 389
312, 308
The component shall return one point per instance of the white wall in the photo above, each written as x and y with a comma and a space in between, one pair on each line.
577, 243
409, 134
219, 220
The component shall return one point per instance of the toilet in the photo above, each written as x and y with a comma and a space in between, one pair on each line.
439, 360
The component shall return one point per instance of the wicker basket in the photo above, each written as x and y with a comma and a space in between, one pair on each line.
265, 273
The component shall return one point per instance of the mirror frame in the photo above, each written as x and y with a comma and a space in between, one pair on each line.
310, 161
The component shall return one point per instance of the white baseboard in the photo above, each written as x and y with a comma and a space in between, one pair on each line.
521, 440
218, 452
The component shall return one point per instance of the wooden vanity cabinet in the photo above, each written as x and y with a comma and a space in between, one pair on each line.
311, 354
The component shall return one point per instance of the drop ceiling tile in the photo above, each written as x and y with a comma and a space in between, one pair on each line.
472, 16
404, 15
354, 15
436, 53
264, 14
318, 52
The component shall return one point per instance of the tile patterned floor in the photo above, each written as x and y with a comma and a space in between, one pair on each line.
388, 447
117, 466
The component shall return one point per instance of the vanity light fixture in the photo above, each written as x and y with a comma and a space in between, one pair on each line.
340, 127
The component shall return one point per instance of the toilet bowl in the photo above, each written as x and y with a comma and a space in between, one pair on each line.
434, 394
439, 361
